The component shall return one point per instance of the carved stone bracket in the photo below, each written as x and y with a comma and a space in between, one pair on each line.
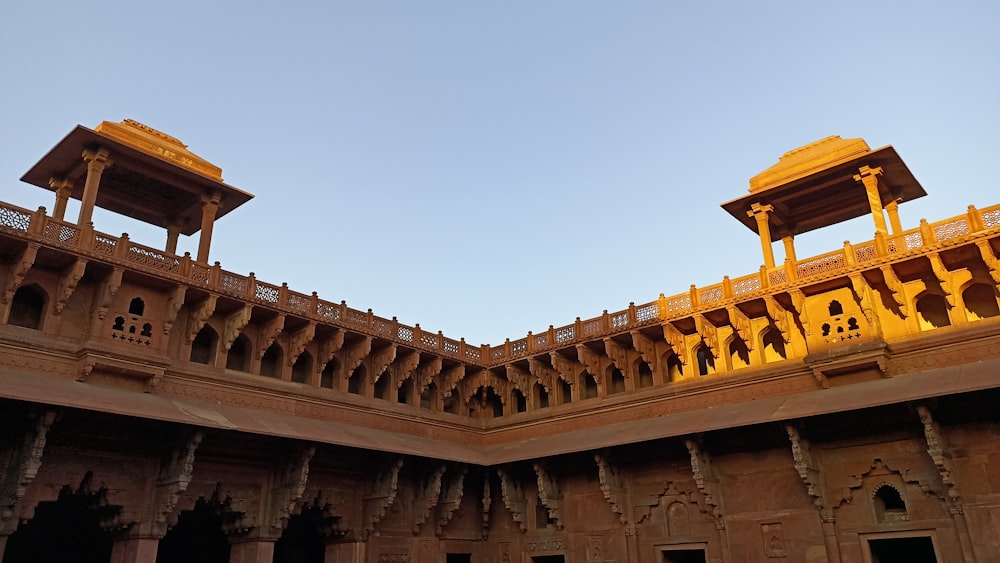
675, 339
404, 366
704, 477
198, 316
20, 269
451, 498
646, 349
708, 332
289, 485
380, 360
809, 471
328, 348
513, 498
741, 325
298, 341
549, 493
174, 304
356, 353
108, 291
545, 375
591, 361
268, 332
519, 377
863, 295
779, 315
452, 377
235, 323
22, 468
426, 373
67, 284
382, 496
567, 368
618, 355
799, 302
990, 259
612, 485
938, 449
941, 274
175, 476
895, 288
428, 495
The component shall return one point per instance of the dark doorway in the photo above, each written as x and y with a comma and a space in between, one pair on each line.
301, 541
65, 531
458, 558
197, 537
684, 556
549, 559
903, 550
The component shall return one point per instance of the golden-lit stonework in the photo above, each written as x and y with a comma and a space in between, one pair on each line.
836, 408
158, 144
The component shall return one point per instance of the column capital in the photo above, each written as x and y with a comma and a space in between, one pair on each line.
211, 198
867, 172
759, 209
99, 156
60, 184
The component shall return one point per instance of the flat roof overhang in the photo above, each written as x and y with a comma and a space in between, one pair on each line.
828, 196
137, 184
918, 386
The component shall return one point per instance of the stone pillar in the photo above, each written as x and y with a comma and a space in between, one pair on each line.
173, 232
893, 209
252, 551
97, 161
789, 242
63, 188
135, 550
869, 177
830, 538
760, 212
350, 552
209, 208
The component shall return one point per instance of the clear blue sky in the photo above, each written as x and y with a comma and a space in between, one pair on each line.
490, 168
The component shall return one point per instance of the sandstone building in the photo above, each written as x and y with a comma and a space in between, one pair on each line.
158, 408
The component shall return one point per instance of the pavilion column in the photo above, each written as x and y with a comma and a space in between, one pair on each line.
789, 242
173, 232
869, 177
760, 213
135, 550
252, 551
209, 208
97, 161
349, 552
63, 188
893, 209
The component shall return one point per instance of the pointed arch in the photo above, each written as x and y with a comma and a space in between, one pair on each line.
204, 346
932, 311
270, 362
238, 357
302, 368
27, 307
